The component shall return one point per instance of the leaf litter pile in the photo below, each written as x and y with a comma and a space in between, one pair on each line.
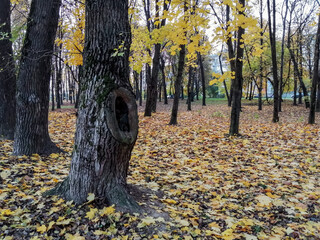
201, 183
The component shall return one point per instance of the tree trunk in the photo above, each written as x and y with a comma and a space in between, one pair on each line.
315, 77
136, 83
165, 97
140, 92
151, 92
231, 55
191, 71
31, 134
203, 81
282, 53
272, 34
107, 124
238, 82
177, 86
52, 89
261, 60
318, 97
7, 75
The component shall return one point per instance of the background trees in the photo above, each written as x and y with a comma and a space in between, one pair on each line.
7, 74
31, 132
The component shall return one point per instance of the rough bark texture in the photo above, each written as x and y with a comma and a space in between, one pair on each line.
237, 83
315, 77
7, 75
107, 124
177, 86
31, 133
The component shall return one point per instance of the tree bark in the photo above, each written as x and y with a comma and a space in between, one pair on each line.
272, 30
31, 133
282, 53
190, 79
203, 81
107, 124
315, 77
237, 83
231, 55
177, 86
7, 75
165, 97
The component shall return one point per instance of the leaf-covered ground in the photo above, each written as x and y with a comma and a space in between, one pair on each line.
201, 183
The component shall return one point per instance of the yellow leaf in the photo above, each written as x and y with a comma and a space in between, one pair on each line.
6, 212
42, 229
74, 237
91, 213
170, 201
107, 210
54, 155
99, 232
50, 225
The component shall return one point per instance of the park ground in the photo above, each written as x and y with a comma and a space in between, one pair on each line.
200, 183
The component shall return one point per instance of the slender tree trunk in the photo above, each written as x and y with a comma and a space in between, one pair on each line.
295, 88
315, 77
261, 60
151, 92
282, 54
31, 134
318, 97
7, 75
52, 89
140, 92
224, 81
272, 30
191, 70
107, 115
165, 97
203, 81
197, 85
136, 83
238, 82
177, 86
231, 55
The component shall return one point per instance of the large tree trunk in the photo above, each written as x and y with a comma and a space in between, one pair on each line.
231, 55
177, 86
272, 31
237, 83
31, 133
7, 75
107, 124
315, 77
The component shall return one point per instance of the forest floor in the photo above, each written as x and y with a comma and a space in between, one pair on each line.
201, 183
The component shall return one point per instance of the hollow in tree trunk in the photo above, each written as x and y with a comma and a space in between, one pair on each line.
7, 75
31, 133
107, 124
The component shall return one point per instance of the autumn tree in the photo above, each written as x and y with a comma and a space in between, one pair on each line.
7, 74
31, 133
107, 124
